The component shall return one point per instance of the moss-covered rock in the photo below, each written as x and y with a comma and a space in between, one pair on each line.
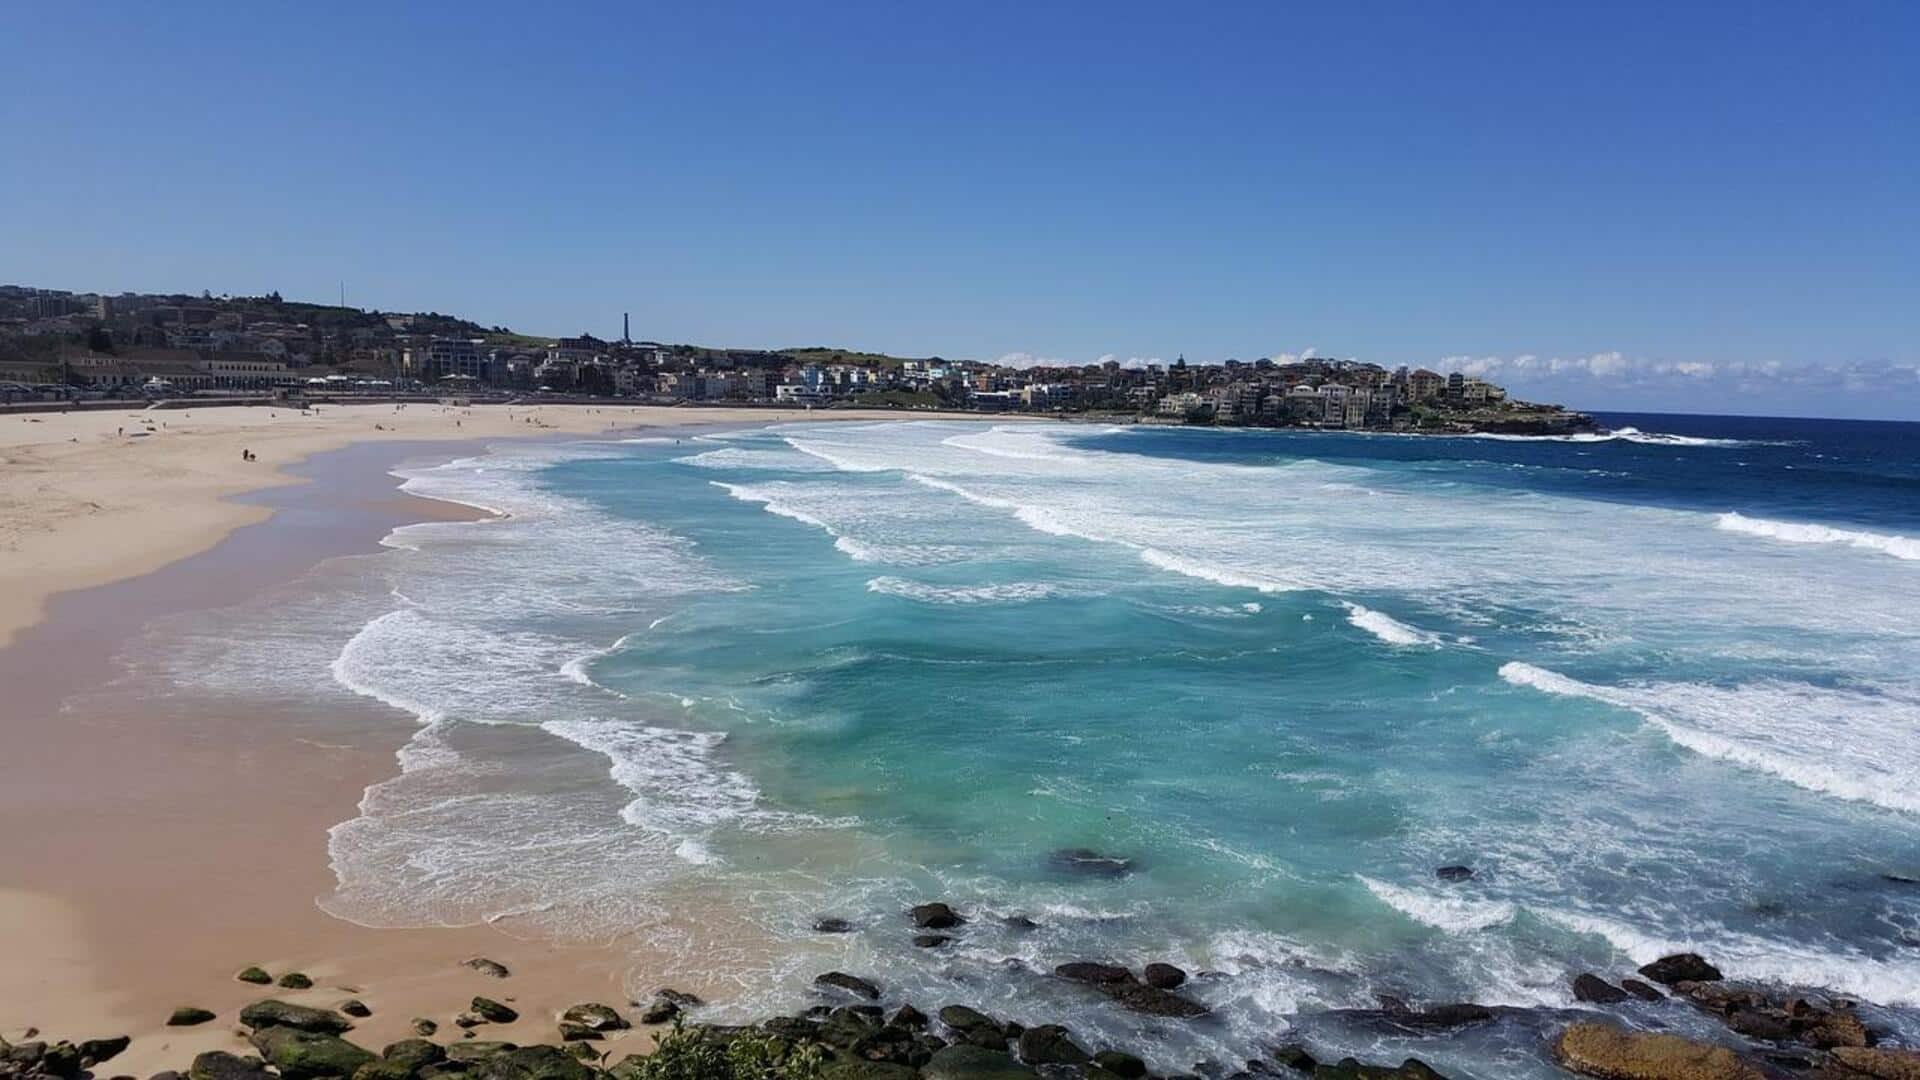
220, 1065
274, 1013
531, 1063
257, 976
309, 1055
974, 1063
188, 1016
295, 980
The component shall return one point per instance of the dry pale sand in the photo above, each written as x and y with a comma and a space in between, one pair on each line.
150, 848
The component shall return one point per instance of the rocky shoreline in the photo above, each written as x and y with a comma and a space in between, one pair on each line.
1768, 1034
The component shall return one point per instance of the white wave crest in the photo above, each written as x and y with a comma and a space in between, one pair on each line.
1900, 547
1015, 592
1843, 743
1389, 629
1454, 914
1625, 434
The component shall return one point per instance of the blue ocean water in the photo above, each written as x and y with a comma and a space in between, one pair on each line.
1659, 689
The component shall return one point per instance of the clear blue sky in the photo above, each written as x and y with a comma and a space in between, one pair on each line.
1686, 206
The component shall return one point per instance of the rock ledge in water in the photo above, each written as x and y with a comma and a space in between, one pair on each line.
1679, 968
1612, 1053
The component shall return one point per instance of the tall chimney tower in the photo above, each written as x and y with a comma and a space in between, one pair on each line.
626, 328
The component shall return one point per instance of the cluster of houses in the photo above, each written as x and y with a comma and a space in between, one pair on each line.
144, 344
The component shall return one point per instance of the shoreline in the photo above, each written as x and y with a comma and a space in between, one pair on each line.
154, 847
94, 497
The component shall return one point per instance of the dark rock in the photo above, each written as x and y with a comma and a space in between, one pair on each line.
828, 924
852, 984
307, 1055
1641, 990
1121, 1064
1051, 1044
295, 980
572, 1032
382, 1069
974, 1063
1435, 1018
1097, 974
355, 1007
962, 1018
595, 1016
1613, 1053
1447, 1016
254, 975
413, 1053
857, 1069
585, 1052
1454, 873
792, 1028
188, 1016
1760, 1024
1295, 1057
679, 997
531, 1063
909, 1018
1164, 976
490, 968
492, 1011
1019, 923
1593, 988
1153, 1001
1088, 863
935, 916
890, 1044
1681, 967
930, 941
62, 1059
847, 1025
220, 1065
478, 1050
96, 1051
424, 1027
272, 1013
659, 1011
167, 1074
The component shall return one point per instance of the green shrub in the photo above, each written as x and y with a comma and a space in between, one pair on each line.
691, 1053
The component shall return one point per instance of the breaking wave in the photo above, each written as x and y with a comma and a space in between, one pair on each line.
1852, 745
1900, 547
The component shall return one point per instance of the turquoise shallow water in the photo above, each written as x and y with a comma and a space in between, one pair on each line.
1658, 691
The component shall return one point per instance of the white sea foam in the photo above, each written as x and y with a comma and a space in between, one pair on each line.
1887, 981
1845, 743
1387, 628
1625, 434
1455, 914
1013, 592
1900, 547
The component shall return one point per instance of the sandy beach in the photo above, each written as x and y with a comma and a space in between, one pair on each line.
154, 848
